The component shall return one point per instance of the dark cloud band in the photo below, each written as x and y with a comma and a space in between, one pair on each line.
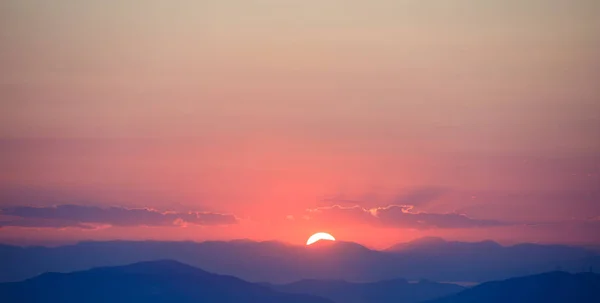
84, 216
400, 216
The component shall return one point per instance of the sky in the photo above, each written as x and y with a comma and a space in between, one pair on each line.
377, 121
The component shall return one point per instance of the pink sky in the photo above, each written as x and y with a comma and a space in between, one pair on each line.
477, 119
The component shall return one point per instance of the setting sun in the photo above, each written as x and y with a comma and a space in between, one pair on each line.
319, 236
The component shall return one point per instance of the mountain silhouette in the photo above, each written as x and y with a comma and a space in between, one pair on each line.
389, 291
487, 260
552, 287
151, 282
421, 243
277, 262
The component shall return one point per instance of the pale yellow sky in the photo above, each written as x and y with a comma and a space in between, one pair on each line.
106, 68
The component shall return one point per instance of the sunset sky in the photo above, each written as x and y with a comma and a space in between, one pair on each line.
377, 121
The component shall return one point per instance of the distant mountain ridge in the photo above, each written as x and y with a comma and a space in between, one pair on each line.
150, 282
277, 262
552, 287
174, 282
388, 291
431, 243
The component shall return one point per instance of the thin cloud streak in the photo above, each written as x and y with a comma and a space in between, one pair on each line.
400, 216
87, 216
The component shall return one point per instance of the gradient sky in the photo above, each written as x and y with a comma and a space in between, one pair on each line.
378, 121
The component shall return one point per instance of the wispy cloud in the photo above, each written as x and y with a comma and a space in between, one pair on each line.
399, 216
416, 196
87, 216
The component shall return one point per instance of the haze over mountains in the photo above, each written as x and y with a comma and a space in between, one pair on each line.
388, 291
276, 262
552, 287
153, 282
171, 281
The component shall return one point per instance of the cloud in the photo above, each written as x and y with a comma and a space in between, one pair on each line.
398, 216
548, 205
416, 196
89, 216
44, 223
401, 216
420, 195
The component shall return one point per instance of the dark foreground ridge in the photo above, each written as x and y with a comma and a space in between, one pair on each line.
148, 282
388, 291
171, 281
552, 287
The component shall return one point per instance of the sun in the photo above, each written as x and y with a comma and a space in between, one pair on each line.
319, 236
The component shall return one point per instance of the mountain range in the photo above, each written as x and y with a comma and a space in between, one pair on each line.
276, 262
551, 287
149, 282
388, 291
171, 281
